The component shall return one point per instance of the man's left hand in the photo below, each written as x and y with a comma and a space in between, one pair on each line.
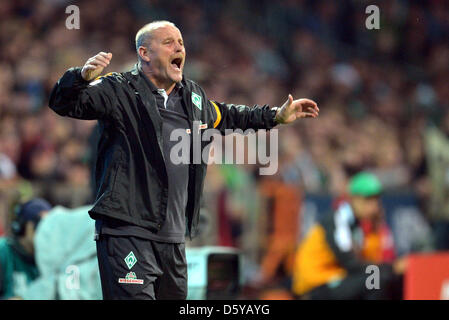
296, 109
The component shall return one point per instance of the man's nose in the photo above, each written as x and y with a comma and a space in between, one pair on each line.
179, 47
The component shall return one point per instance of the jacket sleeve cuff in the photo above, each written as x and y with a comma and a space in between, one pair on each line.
272, 119
79, 80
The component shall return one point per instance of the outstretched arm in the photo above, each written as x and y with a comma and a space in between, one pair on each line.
75, 96
230, 116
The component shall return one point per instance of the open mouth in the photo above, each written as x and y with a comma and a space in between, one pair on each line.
176, 63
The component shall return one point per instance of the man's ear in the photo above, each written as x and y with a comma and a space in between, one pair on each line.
143, 53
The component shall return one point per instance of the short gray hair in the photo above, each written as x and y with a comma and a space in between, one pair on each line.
145, 32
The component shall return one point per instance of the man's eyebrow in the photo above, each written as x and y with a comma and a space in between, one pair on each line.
171, 38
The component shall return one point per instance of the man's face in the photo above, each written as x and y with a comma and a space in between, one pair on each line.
366, 207
167, 54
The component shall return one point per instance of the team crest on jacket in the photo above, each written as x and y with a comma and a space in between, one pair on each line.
196, 99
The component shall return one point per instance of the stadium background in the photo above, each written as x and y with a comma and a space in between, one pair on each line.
383, 96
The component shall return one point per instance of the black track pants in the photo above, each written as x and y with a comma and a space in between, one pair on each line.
136, 268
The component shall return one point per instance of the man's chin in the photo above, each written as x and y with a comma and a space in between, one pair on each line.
175, 76
177, 79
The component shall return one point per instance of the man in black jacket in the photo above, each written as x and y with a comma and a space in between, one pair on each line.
144, 202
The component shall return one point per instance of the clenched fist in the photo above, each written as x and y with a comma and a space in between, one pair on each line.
95, 65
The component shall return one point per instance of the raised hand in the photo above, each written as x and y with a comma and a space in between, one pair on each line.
95, 65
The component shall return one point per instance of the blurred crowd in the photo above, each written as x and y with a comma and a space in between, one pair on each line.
378, 92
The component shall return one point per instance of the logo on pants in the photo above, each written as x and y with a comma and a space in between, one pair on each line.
130, 278
130, 260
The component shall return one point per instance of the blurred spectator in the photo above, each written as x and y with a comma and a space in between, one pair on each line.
437, 142
284, 204
17, 265
332, 260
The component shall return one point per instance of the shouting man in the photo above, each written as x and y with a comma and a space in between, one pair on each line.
145, 202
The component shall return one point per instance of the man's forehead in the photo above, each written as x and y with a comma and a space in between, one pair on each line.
167, 31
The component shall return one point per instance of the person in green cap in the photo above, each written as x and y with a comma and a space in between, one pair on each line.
329, 263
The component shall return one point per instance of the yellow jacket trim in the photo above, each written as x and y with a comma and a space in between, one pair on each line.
107, 74
216, 123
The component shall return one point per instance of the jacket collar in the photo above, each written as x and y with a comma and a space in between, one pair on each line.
150, 112
141, 82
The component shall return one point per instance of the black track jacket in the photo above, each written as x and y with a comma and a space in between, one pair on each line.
130, 173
